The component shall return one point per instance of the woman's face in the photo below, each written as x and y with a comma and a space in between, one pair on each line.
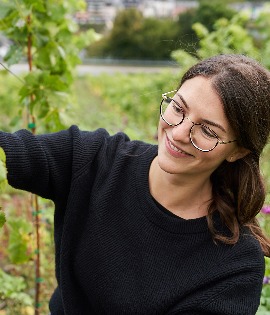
201, 104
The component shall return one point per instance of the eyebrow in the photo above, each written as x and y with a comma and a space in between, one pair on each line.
206, 121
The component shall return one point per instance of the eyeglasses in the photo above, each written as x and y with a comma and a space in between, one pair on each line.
201, 136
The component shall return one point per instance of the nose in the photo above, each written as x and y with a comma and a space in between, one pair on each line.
181, 132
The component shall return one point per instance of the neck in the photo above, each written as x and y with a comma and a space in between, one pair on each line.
187, 197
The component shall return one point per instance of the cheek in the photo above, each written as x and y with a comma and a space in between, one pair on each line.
161, 127
215, 157
162, 124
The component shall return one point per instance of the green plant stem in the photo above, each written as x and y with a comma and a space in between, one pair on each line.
29, 45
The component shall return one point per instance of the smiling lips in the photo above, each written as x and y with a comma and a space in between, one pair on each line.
175, 151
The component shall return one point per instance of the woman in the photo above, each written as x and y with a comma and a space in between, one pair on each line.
167, 230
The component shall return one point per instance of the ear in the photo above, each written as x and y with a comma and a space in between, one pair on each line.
239, 153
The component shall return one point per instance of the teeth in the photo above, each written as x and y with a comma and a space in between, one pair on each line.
175, 148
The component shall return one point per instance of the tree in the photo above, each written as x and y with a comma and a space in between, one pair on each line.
206, 14
260, 30
228, 37
209, 12
187, 37
136, 37
123, 39
157, 39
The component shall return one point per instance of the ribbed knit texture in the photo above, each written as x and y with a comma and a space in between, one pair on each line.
116, 251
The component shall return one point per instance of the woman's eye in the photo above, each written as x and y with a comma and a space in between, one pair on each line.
177, 108
208, 132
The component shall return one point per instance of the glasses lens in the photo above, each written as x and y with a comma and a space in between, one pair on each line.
203, 137
171, 112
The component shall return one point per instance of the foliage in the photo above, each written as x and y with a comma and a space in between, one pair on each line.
186, 37
228, 36
132, 33
44, 33
261, 33
157, 39
266, 175
12, 294
207, 13
123, 39
3, 182
136, 37
264, 308
3, 170
2, 218
134, 98
9, 120
241, 34
19, 247
17, 255
131, 37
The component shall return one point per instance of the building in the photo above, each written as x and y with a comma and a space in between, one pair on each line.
131, 3
104, 11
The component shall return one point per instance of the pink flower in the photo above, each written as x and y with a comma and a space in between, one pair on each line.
266, 210
266, 280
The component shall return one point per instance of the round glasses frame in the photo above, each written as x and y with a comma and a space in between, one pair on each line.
219, 141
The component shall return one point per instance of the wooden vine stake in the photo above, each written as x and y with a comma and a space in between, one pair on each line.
34, 198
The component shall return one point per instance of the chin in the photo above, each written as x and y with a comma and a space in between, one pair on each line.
168, 166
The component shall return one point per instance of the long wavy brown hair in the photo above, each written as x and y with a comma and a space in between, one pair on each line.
243, 86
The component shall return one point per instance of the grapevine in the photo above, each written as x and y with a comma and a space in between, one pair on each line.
43, 34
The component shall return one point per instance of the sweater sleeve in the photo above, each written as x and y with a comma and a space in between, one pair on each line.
235, 286
238, 295
45, 164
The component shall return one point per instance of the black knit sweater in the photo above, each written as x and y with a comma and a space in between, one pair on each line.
116, 251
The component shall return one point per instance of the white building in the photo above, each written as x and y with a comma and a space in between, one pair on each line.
169, 8
104, 11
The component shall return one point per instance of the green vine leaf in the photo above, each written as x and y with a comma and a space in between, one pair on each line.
45, 35
3, 170
19, 240
2, 219
3, 182
12, 287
